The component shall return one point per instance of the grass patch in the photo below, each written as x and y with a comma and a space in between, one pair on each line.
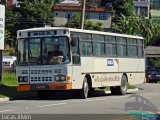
9, 79
8, 86
131, 87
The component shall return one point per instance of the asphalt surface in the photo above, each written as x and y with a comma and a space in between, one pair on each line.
146, 99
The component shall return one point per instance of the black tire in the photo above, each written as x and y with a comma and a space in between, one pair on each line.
122, 89
124, 85
85, 89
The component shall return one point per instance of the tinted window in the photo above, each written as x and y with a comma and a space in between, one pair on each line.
121, 46
98, 49
85, 37
86, 48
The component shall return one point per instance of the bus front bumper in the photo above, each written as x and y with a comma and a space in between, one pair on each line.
56, 86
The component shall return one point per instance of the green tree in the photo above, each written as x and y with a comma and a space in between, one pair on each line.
31, 13
10, 27
34, 13
138, 26
125, 7
74, 22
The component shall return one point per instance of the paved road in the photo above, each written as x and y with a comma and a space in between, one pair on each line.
146, 99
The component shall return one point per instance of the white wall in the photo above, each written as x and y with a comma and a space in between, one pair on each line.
2, 26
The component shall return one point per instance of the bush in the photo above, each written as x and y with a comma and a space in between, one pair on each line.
9, 79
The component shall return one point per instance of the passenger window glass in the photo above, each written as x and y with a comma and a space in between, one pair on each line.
75, 50
140, 51
85, 37
98, 49
86, 48
132, 51
110, 39
121, 40
98, 38
122, 50
140, 42
122, 46
111, 50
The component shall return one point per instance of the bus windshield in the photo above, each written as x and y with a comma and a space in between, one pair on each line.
43, 51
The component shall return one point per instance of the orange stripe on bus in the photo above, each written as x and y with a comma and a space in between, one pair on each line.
23, 88
61, 86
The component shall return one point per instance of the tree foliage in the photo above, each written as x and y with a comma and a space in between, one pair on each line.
31, 13
89, 25
125, 7
10, 27
34, 13
138, 26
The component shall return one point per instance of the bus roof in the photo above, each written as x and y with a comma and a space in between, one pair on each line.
80, 30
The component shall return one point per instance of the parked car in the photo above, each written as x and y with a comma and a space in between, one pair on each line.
153, 75
9, 62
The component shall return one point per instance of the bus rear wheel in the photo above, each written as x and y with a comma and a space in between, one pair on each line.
122, 89
85, 89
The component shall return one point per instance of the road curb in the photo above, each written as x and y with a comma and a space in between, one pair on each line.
129, 90
5, 99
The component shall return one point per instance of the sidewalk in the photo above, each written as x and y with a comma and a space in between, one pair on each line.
4, 99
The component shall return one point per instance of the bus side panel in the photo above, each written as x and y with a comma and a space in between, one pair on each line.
77, 77
135, 78
134, 68
98, 69
105, 67
79, 71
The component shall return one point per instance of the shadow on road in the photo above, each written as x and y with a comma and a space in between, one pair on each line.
62, 96
67, 95
32, 95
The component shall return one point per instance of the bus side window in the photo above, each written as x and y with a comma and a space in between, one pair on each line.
75, 50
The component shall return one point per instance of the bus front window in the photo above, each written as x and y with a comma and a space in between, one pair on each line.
55, 50
43, 51
34, 51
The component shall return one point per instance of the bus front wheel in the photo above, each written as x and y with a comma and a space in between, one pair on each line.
85, 88
122, 89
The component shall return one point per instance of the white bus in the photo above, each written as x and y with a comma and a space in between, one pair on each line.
85, 60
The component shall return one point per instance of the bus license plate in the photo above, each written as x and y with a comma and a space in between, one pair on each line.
40, 87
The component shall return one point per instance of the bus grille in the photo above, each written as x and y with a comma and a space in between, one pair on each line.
41, 72
41, 76
41, 79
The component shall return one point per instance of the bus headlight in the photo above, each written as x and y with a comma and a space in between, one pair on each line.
57, 78
25, 79
63, 78
60, 78
22, 79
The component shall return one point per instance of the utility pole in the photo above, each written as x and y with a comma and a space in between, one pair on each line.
83, 13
